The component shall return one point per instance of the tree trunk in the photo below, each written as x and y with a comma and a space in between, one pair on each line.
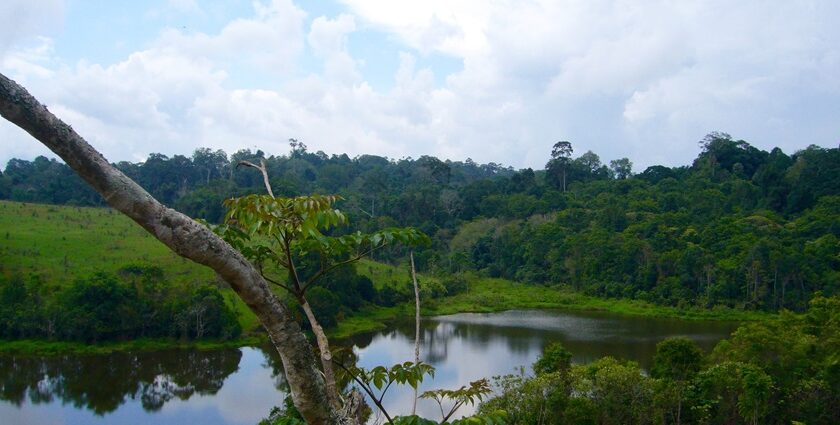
416, 324
326, 354
320, 336
564, 179
185, 237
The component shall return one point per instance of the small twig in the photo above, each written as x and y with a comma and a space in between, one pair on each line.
270, 280
369, 391
381, 396
323, 271
455, 407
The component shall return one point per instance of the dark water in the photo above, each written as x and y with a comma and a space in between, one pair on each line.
239, 386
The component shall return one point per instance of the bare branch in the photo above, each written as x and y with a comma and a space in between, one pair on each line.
416, 324
263, 170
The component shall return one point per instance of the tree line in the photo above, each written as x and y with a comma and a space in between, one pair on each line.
136, 302
739, 227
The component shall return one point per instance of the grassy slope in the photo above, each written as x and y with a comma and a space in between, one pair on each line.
64, 243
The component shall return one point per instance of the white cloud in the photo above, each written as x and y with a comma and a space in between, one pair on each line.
328, 39
271, 40
30, 61
22, 19
620, 78
452, 27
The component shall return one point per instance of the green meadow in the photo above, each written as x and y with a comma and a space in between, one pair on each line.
63, 243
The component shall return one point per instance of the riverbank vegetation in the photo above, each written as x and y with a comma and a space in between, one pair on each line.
137, 302
355, 301
468, 292
783, 370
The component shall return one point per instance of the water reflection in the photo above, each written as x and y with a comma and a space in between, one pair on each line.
102, 383
239, 386
470, 346
587, 335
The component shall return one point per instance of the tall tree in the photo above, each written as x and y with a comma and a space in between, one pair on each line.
561, 156
621, 168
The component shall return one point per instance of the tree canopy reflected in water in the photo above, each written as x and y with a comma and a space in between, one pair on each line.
463, 347
102, 383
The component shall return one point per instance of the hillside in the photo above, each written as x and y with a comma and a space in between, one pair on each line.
63, 243
60, 245
738, 228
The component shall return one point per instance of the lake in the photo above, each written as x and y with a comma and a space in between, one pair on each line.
239, 386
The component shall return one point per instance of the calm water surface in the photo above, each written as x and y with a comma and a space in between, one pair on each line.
239, 386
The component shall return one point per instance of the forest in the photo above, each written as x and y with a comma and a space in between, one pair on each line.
739, 227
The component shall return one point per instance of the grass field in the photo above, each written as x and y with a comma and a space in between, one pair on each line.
62, 243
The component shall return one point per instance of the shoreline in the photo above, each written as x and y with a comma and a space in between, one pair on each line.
486, 295
31, 347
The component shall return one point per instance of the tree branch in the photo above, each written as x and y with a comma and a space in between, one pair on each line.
295, 279
263, 170
324, 271
185, 237
385, 390
455, 407
268, 279
368, 390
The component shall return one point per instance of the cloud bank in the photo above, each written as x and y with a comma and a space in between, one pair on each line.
619, 78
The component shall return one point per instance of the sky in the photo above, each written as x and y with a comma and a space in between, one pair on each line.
494, 81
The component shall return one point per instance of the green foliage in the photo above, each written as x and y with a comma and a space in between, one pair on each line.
286, 415
290, 235
136, 303
455, 284
493, 418
273, 230
555, 358
325, 304
471, 393
730, 392
619, 391
739, 227
677, 358
754, 377
543, 399
381, 378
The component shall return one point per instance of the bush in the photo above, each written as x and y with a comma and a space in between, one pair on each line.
210, 315
555, 358
456, 284
136, 302
325, 305
99, 308
390, 296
